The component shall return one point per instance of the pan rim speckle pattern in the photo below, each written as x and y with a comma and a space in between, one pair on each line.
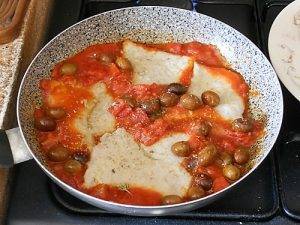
154, 24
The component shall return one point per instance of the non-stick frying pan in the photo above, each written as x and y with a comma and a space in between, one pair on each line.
151, 25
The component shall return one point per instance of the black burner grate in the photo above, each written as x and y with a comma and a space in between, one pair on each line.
241, 16
258, 197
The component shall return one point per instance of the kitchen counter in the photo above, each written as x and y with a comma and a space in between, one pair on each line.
14, 60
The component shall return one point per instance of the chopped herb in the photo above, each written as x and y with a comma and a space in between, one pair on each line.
149, 154
124, 187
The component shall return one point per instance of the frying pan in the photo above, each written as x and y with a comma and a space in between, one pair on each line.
151, 25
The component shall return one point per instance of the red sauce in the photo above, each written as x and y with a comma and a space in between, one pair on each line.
133, 196
219, 184
187, 75
205, 54
71, 92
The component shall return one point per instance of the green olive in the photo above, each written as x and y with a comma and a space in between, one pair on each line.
231, 172
45, 124
181, 148
171, 199
55, 113
176, 88
195, 192
210, 98
73, 166
242, 125
207, 155
204, 181
226, 158
151, 106
58, 154
241, 156
68, 68
123, 63
169, 99
190, 102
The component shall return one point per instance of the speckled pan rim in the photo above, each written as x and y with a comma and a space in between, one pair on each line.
133, 207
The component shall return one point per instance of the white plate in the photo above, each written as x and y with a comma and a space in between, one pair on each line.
284, 47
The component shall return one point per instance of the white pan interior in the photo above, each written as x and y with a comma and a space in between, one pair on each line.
158, 25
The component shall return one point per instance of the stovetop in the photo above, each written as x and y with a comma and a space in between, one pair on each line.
271, 195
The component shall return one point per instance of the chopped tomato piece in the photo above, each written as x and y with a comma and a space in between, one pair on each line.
203, 53
219, 184
214, 171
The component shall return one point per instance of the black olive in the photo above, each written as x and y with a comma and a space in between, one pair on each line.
156, 114
203, 128
204, 181
176, 88
81, 157
192, 163
242, 125
130, 101
151, 106
45, 123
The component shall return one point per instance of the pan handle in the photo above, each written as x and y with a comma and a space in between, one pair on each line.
12, 148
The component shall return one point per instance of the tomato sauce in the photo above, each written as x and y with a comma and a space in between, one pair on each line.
120, 194
71, 92
202, 53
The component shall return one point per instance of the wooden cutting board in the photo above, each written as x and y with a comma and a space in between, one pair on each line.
15, 57
11, 16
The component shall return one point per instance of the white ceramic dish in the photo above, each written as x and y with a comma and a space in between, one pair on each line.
284, 47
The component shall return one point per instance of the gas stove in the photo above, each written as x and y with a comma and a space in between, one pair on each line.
271, 195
